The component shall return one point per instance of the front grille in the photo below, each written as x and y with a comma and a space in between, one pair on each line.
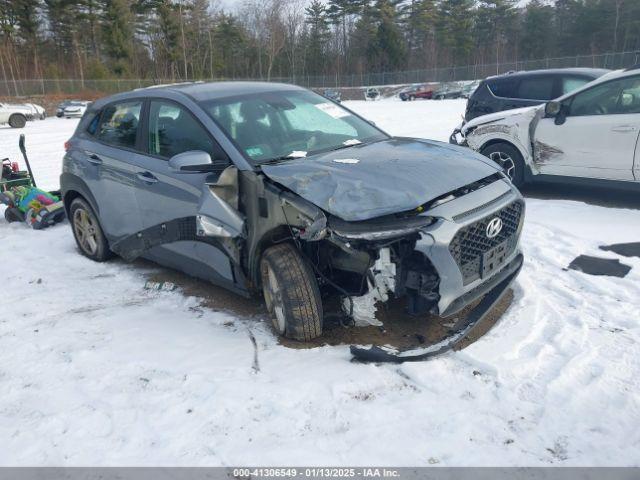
471, 242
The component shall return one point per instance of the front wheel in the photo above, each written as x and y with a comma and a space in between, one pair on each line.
509, 158
291, 293
88, 232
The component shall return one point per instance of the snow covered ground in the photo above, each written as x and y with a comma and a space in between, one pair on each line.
94, 369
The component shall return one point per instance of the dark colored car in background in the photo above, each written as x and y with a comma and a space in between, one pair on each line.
448, 91
527, 88
333, 95
416, 91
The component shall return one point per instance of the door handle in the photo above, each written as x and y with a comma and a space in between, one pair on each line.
93, 158
147, 177
624, 128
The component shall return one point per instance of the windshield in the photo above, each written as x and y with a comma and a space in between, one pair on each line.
291, 124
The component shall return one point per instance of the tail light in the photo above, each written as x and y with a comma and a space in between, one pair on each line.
67, 145
14, 167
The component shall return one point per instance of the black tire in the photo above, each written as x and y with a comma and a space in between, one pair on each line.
12, 214
295, 293
17, 120
96, 249
509, 158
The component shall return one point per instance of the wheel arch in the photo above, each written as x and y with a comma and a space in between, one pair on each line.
528, 170
74, 187
277, 235
495, 140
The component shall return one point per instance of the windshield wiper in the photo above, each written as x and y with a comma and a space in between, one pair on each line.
290, 156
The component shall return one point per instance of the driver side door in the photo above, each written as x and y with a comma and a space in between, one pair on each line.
598, 136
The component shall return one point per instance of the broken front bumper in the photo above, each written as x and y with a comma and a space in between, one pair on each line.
457, 245
462, 328
456, 137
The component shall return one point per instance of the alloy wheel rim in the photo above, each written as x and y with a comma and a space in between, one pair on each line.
274, 301
505, 161
85, 231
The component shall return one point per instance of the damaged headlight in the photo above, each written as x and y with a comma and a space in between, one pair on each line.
376, 229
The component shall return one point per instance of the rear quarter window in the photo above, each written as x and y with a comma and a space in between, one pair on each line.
503, 87
93, 125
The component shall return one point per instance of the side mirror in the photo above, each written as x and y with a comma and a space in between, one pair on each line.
552, 108
191, 161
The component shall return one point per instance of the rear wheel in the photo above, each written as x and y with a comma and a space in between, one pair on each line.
509, 158
12, 214
88, 232
291, 293
17, 121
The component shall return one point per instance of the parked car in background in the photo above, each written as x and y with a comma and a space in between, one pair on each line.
36, 112
469, 88
526, 88
270, 189
60, 108
75, 108
372, 93
448, 91
332, 94
589, 135
413, 92
14, 115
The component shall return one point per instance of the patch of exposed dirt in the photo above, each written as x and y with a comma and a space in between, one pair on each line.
399, 329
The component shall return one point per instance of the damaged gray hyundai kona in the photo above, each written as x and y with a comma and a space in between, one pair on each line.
270, 188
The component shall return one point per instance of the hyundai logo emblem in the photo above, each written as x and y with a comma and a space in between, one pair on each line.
494, 227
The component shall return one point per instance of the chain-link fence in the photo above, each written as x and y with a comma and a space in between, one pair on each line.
445, 74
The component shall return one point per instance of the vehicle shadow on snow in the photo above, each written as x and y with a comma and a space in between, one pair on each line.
399, 329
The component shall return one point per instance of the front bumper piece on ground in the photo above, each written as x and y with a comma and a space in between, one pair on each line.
496, 286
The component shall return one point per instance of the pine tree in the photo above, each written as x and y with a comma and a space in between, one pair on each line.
317, 36
389, 44
536, 40
455, 22
117, 35
419, 23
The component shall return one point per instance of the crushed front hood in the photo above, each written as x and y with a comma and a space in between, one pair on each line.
368, 181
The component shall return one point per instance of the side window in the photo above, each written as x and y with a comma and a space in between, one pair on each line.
629, 101
174, 130
569, 84
504, 87
536, 88
119, 124
610, 98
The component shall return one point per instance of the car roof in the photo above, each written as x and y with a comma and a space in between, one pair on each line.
200, 91
591, 72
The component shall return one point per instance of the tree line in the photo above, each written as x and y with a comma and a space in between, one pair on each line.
199, 39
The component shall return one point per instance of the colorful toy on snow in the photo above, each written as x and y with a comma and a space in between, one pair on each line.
24, 200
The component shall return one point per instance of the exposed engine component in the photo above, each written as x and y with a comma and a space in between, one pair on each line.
381, 280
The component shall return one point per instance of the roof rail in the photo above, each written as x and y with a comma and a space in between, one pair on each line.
168, 85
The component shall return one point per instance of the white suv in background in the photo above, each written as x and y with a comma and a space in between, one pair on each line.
588, 135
